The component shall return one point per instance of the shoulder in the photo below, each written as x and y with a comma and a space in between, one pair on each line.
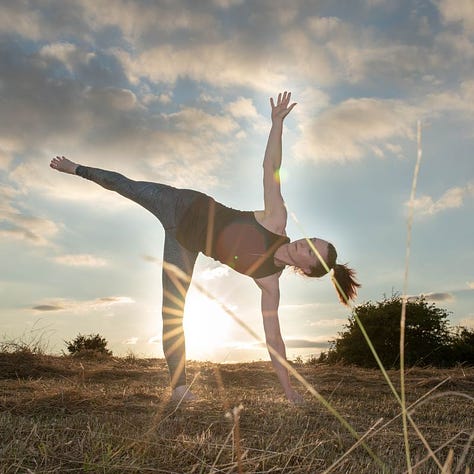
269, 284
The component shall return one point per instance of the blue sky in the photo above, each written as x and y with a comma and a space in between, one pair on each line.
178, 92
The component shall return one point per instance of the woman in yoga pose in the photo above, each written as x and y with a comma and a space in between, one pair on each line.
252, 243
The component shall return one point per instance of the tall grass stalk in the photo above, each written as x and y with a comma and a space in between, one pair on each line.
405, 290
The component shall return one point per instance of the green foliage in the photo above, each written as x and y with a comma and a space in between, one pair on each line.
428, 338
90, 345
463, 345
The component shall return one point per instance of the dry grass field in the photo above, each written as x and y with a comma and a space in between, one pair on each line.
70, 415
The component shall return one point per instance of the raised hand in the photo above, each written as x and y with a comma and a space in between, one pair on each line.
282, 108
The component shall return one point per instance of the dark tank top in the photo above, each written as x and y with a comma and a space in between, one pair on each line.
234, 238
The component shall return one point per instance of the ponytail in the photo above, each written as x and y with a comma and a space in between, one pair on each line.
345, 283
343, 278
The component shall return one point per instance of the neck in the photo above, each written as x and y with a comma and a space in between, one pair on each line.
280, 257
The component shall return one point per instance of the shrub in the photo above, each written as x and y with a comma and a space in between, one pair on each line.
463, 345
428, 338
90, 345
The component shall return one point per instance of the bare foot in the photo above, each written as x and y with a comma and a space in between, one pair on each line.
182, 394
64, 165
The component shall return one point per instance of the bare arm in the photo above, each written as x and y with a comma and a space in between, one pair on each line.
275, 211
271, 324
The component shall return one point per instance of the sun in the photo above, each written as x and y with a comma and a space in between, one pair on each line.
206, 326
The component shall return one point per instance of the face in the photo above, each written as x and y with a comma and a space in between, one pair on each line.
303, 255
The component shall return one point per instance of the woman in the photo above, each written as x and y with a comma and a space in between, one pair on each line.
252, 243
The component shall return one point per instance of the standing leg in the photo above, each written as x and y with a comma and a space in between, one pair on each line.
175, 288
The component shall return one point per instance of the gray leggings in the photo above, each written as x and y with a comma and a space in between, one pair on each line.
168, 204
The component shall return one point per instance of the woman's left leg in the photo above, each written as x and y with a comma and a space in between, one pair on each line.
178, 265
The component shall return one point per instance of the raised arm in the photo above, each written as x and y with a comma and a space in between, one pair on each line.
275, 211
271, 324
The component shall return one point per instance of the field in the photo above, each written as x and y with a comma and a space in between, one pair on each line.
62, 415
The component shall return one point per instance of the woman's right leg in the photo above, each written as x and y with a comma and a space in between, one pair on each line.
160, 199
167, 203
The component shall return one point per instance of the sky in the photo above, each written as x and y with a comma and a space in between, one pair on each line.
178, 92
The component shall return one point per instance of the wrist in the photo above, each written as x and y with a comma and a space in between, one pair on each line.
277, 126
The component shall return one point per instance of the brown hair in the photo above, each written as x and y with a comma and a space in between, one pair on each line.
346, 285
345, 278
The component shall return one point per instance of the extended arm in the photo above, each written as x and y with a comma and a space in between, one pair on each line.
276, 347
275, 211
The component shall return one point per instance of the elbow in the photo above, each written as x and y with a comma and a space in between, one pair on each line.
274, 340
270, 166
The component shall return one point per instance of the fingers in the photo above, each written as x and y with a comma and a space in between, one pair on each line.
283, 99
282, 107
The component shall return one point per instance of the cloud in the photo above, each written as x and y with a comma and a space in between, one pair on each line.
14, 17
376, 3
320, 343
291, 343
470, 284
438, 296
70, 55
214, 273
197, 120
112, 98
105, 102
31, 229
349, 130
326, 323
434, 296
131, 341
60, 304
81, 260
71, 109
150, 258
227, 3
48, 307
7, 195
451, 199
109, 300
202, 62
242, 108
141, 22
303, 306
457, 11
458, 101
8, 147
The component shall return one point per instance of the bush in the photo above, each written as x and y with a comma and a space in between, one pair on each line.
428, 338
463, 345
90, 345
